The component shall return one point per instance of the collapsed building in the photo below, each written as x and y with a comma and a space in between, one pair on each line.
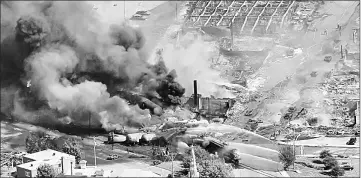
246, 17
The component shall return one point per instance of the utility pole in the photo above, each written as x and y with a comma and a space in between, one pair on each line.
89, 121
172, 157
341, 53
294, 148
231, 35
124, 9
176, 10
95, 156
112, 137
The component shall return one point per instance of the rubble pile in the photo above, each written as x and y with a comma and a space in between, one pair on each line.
342, 85
342, 91
304, 14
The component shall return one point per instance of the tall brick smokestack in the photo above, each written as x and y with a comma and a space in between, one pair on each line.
195, 94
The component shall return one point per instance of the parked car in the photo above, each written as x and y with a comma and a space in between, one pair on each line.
249, 113
357, 133
138, 17
346, 166
340, 132
328, 58
112, 157
291, 109
143, 13
330, 132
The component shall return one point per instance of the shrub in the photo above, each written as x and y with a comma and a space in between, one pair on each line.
325, 154
45, 171
287, 156
232, 158
330, 162
214, 168
337, 171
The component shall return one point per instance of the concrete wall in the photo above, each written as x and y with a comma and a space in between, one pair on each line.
21, 172
68, 165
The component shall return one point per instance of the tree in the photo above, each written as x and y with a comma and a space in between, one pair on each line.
312, 121
330, 162
232, 158
38, 141
337, 171
200, 154
31, 143
207, 165
46, 171
72, 147
214, 167
325, 154
287, 156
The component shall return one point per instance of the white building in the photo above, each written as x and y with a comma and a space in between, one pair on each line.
61, 162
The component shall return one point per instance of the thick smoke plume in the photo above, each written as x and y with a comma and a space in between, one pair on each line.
59, 56
195, 55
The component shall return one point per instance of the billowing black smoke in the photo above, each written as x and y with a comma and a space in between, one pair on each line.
59, 55
127, 36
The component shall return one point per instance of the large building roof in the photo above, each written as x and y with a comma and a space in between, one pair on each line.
33, 165
48, 154
243, 14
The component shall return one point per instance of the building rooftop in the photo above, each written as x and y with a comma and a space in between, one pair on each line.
48, 154
35, 164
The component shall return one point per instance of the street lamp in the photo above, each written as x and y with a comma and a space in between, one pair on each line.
95, 156
294, 149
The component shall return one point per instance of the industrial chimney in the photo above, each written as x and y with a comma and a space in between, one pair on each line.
195, 95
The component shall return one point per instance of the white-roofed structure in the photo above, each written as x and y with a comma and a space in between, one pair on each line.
46, 154
61, 162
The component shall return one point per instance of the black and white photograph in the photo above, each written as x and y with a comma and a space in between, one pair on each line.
180, 89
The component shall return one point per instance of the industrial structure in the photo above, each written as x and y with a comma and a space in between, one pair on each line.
208, 107
245, 17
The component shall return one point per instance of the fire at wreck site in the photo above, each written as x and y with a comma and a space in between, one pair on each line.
57, 71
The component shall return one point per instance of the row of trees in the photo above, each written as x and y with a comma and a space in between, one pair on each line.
212, 166
38, 141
